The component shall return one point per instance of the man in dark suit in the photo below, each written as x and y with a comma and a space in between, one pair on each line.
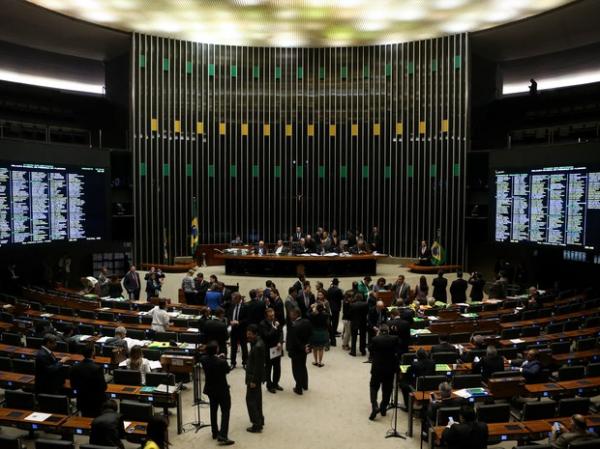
399, 326
272, 335
335, 296
468, 434
424, 254
256, 308
49, 376
310, 244
87, 380
255, 376
401, 291
489, 364
532, 367
108, 428
440, 283
443, 345
300, 247
238, 319
299, 284
422, 367
298, 337
305, 300
376, 316
384, 353
261, 249
458, 288
132, 283
375, 240
201, 285
358, 311
215, 329
298, 234
217, 390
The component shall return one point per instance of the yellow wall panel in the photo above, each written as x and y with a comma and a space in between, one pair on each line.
154, 124
310, 131
244, 129
445, 125
354, 129
422, 127
376, 129
266, 129
399, 128
177, 126
332, 130
222, 128
199, 127
288, 130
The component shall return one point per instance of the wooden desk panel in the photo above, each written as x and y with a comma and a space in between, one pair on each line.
16, 417
29, 353
80, 425
576, 356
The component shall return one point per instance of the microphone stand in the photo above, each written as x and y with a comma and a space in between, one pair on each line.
393, 432
198, 424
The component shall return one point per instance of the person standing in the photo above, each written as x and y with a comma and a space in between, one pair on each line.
335, 297
384, 353
87, 380
440, 283
238, 319
201, 286
255, 376
477, 283
458, 289
153, 285
213, 298
298, 337
358, 323
189, 288
346, 329
217, 389
401, 291
319, 319
272, 335
49, 377
132, 283
160, 317
305, 299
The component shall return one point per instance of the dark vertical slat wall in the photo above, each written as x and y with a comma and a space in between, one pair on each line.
264, 139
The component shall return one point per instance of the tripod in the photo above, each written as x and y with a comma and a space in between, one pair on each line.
393, 432
198, 402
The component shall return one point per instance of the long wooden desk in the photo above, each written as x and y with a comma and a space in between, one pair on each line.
29, 353
9, 379
253, 265
560, 336
552, 319
593, 354
516, 430
79, 425
16, 418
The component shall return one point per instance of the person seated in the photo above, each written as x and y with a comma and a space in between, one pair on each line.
424, 254
489, 364
562, 437
423, 366
300, 247
533, 302
108, 429
443, 345
261, 249
281, 249
156, 433
137, 362
441, 398
360, 247
237, 240
467, 434
310, 244
531, 368
118, 341
478, 342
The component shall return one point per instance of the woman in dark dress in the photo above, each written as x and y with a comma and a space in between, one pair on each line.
477, 283
319, 338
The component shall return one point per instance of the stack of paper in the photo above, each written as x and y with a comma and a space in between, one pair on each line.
37, 416
155, 364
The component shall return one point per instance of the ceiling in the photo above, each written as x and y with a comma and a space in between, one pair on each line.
299, 23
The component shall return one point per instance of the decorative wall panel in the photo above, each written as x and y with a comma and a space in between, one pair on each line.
264, 139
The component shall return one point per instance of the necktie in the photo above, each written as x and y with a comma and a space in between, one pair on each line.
237, 312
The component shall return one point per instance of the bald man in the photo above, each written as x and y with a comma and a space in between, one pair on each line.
562, 437
376, 317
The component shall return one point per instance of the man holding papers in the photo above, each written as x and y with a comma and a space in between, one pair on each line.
272, 335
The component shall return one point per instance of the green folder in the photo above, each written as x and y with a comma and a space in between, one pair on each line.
159, 344
404, 368
147, 390
442, 367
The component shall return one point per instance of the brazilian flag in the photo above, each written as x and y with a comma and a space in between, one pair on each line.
194, 233
438, 255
